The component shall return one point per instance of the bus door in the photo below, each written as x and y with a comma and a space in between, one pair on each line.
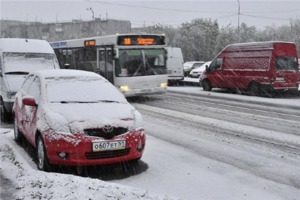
105, 62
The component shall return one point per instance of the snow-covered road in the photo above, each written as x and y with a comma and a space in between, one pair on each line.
196, 148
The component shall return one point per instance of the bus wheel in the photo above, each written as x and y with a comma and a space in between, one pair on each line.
206, 85
254, 89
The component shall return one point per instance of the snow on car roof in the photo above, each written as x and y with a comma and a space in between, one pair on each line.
65, 73
25, 45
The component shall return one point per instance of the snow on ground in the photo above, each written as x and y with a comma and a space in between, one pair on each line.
294, 101
177, 170
217, 181
34, 184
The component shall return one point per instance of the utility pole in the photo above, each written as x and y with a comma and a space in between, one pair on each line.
239, 13
92, 12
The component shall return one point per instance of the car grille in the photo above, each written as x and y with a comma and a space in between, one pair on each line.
107, 154
105, 134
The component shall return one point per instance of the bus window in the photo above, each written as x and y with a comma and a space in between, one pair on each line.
64, 58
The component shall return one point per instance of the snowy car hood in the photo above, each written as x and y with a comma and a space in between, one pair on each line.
15, 81
199, 69
81, 116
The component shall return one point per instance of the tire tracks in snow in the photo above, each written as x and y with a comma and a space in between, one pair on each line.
276, 156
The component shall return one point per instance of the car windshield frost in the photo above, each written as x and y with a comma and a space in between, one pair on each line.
141, 62
27, 62
81, 90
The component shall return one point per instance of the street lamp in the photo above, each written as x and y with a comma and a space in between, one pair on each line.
239, 17
91, 11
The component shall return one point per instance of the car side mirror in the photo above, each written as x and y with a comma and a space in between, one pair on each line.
66, 66
207, 69
29, 101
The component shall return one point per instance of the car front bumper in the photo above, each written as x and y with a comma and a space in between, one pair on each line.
78, 149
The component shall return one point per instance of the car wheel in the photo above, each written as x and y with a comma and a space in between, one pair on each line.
254, 89
43, 163
18, 136
206, 85
5, 116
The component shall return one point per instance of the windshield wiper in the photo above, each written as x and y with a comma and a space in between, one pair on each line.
102, 101
18, 73
108, 101
65, 102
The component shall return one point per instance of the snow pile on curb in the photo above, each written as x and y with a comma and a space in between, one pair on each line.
33, 184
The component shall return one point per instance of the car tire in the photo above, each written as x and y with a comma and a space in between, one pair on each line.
206, 85
254, 89
42, 158
5, 116
17, 134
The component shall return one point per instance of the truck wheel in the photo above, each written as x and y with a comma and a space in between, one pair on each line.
206, 85
42, 159
254, 89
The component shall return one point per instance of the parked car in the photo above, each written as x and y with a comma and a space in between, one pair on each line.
197, 72
188, 66
174, 64
76, 118
18, 57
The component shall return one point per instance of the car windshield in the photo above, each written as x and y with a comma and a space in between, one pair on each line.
81, 90
27, 62
286, 63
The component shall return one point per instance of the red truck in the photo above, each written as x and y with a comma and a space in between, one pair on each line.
257, 67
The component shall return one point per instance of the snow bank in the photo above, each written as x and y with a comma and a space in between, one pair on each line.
33, 184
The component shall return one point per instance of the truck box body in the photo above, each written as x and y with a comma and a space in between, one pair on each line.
257, 66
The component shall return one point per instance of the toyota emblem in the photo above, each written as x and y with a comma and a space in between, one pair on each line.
107, 128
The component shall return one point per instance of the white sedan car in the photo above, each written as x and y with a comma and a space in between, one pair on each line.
196, 73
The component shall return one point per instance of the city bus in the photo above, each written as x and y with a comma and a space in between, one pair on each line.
134, 63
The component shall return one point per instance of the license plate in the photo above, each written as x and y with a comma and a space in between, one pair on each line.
108, 145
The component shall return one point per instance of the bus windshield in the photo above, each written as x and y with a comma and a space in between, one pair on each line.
27, 62
140, 62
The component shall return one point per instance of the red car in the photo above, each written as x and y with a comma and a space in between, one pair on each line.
77, 118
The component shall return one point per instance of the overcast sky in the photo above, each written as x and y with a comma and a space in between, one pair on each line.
259, 13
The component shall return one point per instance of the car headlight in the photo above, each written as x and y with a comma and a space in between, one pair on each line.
138, 119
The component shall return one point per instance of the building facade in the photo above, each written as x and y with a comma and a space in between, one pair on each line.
63, 30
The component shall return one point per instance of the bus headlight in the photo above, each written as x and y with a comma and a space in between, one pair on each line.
124, 88
164, 84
